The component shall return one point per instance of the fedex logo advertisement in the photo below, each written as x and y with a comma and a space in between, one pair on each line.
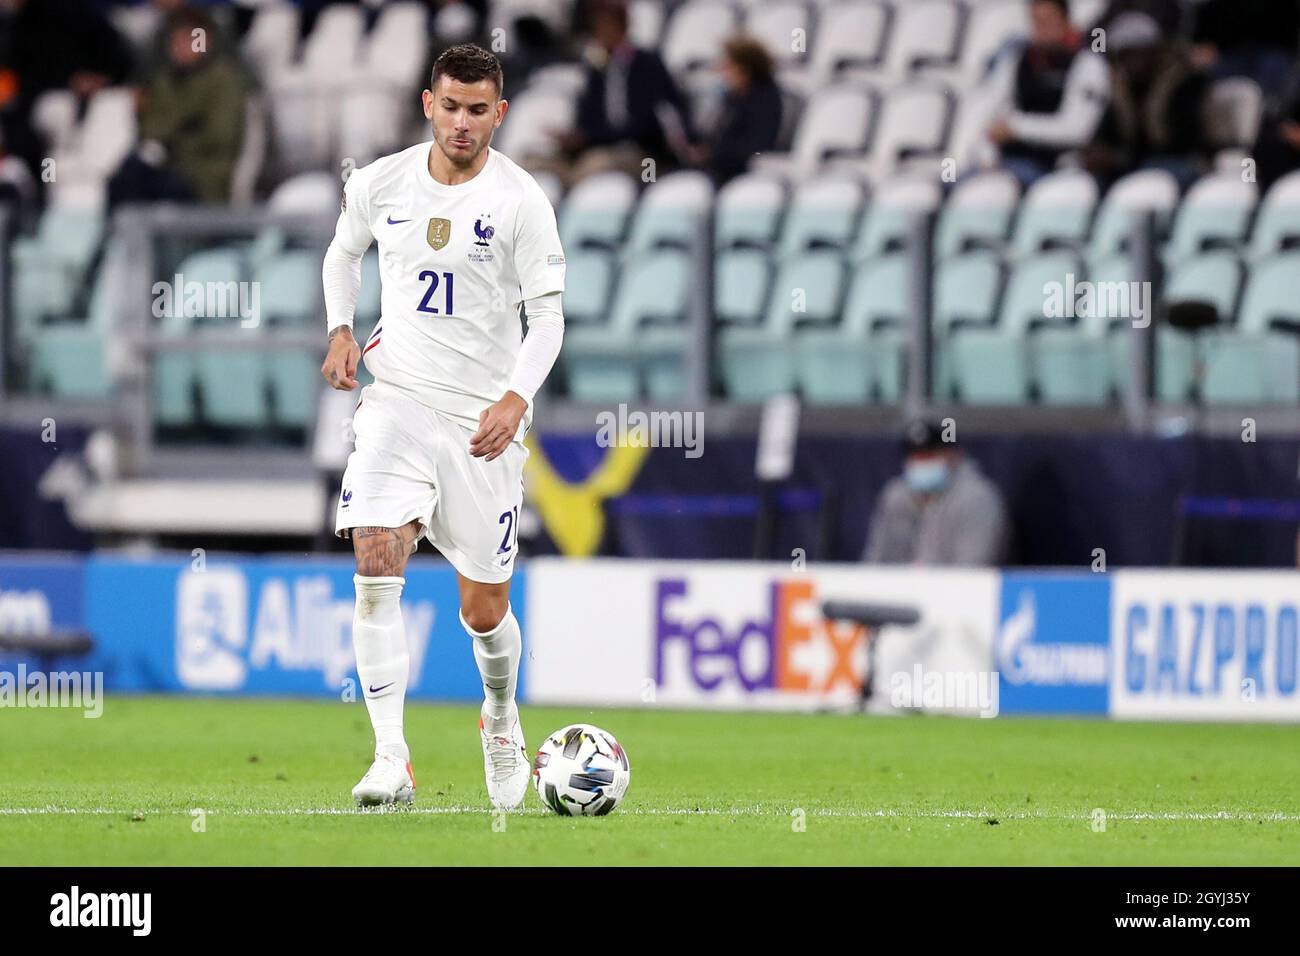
747, 635
1205, 645
786, 646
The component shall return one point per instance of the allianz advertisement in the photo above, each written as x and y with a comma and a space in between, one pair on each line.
236, 625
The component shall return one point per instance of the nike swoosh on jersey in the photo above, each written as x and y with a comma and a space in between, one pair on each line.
396, 222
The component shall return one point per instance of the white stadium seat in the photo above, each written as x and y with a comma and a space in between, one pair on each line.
670, 212
784, 27
1154, 190
1216, 210
1057, 208
978, 213
533, 114
837, 121
850, 35
913, 122
989, 26
695, 34
597, 210
924, 31
272, 39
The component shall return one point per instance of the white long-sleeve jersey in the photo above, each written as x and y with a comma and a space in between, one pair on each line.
455, 262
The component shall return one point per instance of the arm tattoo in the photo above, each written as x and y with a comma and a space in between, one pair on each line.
337, 329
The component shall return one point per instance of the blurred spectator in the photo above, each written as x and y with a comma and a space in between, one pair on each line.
1157, 106
51, 45
750, 120
630, 108
191, 121
940, 511
1170, 15
1277, 151
1253, 38
1047, 95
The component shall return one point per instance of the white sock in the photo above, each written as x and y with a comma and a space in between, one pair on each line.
497, 654
383, 663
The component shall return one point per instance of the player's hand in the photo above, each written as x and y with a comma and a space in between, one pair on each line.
497, 426
340, 368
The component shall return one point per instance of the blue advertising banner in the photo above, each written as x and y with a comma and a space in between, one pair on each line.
264, 626
40, 595
1051, 648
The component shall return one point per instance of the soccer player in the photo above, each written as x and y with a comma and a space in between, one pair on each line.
465, 236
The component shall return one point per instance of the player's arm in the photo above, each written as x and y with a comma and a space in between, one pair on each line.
539, 263
541, 346
341, 276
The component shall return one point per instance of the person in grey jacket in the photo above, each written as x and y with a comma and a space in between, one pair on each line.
941, 511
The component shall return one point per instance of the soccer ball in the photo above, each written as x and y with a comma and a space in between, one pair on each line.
581, 771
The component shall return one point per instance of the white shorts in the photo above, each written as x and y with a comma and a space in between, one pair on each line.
412, 463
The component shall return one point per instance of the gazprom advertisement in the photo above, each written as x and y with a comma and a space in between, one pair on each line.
1138, 645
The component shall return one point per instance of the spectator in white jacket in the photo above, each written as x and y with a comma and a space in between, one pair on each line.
1046, 95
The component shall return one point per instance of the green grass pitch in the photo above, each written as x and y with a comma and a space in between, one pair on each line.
273, 778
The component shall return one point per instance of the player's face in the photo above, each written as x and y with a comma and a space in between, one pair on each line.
464, 116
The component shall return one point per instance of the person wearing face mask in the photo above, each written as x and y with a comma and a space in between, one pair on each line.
941, 510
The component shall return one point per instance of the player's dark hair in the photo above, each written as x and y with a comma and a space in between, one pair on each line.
1062, 5
468, 63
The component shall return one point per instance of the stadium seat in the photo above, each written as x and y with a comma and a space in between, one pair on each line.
602, 360
50, 269
924, 32
978, 213
1215, 212
863, 355
672, 212
808, 291
990, 24
748, 212
774, 24
1277, 226
1233, 110
272, 39
835, 124
1056, 210
850, 41
823, 212
368, 301
992, 366
894, 208
741, 277
914, 120
967, 289
175, 370
597, 210
1213, 277
1257, 361
1070, 362
588, 283
534, 113
69, 355
694, 36
1148, 190
290, 298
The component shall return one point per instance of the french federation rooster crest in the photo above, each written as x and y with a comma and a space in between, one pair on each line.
483, 232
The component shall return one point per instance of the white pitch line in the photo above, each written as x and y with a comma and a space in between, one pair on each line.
1226, 815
